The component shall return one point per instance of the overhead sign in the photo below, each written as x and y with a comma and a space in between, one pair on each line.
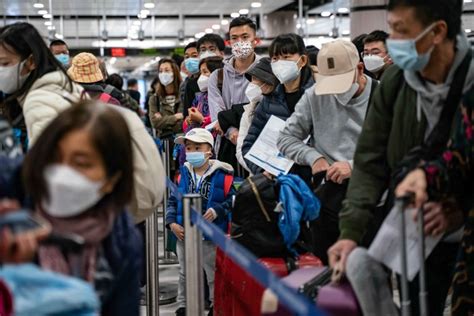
118, 52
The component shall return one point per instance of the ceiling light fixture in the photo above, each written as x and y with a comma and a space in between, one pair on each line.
234, 15
38, 5
47, 16
224, 22
149, 5
145, 12
137, 22
244, 11
209, 31
325, 14
346, 32
468, 30
48, 23
310, 21
343, 10
256, 4
41, 12
216, 27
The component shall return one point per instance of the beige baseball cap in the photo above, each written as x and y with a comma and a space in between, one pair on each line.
337, 65
196, 135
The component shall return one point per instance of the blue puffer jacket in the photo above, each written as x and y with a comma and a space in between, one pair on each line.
212, 192
123, 252
274, 104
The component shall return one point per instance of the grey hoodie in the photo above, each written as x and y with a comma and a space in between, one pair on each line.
233, 88
333, 127
431, 97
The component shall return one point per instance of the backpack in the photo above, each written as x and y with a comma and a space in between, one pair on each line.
255, 220
11, 157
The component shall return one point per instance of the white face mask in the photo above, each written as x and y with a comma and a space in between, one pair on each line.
254, 92
286, 70
346, 97
10, 78
373, 63
203, 83
70, 192
166, 78
242, 49
207, 54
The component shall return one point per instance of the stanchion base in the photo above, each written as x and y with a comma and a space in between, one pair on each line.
164, 261
168, 293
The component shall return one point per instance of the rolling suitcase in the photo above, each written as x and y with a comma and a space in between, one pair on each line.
236, 293
335, 299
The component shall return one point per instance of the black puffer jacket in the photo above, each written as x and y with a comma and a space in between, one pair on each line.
274, 104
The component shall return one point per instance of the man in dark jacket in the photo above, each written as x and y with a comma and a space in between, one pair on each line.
428, 50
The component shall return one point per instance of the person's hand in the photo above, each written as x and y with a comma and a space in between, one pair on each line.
388, 60
177, 230
209, 215
179, 116
438, 219
414, 182
157, 115
217, 128
339, 171
196, 116
320, 165
234, 135
20, 247
339, 252
268, 175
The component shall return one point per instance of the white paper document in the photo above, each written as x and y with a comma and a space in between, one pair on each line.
264, 152
210, 127
386, 247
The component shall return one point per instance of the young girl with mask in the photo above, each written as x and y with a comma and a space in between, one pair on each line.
77, 183
212, 179
165, 105
199, 115
262, 83
289, 64
31, 75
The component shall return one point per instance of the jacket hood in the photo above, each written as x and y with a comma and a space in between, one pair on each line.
57, 82
215, 165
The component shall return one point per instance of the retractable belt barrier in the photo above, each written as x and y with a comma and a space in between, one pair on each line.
290, 298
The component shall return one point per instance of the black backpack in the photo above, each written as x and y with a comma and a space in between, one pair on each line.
255, 221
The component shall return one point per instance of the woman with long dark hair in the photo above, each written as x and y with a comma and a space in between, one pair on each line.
31, 74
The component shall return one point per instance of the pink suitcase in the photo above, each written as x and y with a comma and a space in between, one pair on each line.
333, 299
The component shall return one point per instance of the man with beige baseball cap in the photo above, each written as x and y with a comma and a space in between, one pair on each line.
332, 113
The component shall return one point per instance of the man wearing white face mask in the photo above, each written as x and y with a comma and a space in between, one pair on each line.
375, 55
332, 113
227, 86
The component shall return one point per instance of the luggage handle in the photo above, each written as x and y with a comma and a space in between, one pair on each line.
401, 203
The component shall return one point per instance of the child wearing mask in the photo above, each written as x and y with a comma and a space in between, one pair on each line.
212, 179
262, 83
198, 114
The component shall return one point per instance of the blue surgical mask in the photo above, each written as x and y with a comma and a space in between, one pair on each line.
63, 59
192, 65
196, 158
404, 53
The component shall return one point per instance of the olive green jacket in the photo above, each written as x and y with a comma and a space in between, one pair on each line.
390, 131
